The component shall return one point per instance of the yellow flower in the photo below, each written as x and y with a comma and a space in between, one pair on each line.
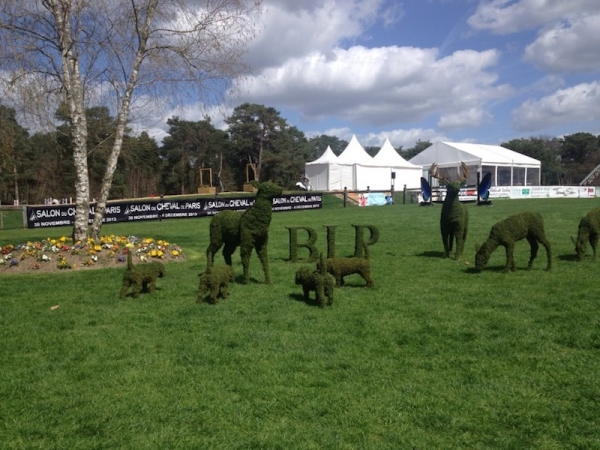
174, 253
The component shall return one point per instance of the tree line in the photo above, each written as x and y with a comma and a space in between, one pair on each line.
258, 144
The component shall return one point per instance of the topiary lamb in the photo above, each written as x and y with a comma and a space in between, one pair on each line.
524, 225
318, 281
248, 229
589, 231
454, 220
215, 281
141, 276
341, 267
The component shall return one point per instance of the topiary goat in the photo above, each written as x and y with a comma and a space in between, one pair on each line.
589, 231
523, 225
245, 229
454, 220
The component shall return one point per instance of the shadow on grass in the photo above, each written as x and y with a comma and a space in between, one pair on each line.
239, 279
496, 269
568, 257
431, 254
500, 269
145, 292
300, 298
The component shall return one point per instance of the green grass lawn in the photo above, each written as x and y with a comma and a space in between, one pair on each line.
434, 357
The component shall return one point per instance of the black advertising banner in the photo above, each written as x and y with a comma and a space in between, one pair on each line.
159, 209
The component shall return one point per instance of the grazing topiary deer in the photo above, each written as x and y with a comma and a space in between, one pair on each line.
245, 229
589, 231
523, 225
454, 221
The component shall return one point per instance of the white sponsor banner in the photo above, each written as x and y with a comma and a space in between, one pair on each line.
564, 192
587, 192
516, 192
500, 192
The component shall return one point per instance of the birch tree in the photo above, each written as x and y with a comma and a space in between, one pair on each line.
134, 56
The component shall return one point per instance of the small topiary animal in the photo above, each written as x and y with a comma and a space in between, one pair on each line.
215, 281
454, 221
248, 229
141, 276
341, 267
524, 225
318, 281
589, 231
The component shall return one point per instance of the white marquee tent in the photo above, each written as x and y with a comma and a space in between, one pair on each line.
355, 169
355, 166
508, 168
324, 173
390, 160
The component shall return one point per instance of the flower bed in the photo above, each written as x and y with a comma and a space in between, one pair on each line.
62, 253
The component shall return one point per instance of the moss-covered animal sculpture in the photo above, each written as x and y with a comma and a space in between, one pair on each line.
589, 231
341, 267
318, 281
141, 277
454, 220
246, 229
215, 281
523, 225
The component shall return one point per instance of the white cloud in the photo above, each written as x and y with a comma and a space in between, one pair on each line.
574, 104
379, 86
392, 14
572, 46
507, 16
467, 118
292, 28
399, 137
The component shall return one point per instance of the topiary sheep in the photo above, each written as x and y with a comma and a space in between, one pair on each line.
141, 276
318, 281
341, 267
454, 220
248, 229
215, 280
589, 231
524, 225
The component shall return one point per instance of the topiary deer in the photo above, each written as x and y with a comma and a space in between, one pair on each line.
454, 221
589, 231
523, 225
245, 229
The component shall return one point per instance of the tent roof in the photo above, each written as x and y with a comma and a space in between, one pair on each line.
327, 157
354, 153
452, 153
389, 157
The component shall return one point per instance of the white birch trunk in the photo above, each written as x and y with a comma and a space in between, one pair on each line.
61, 10
113, 159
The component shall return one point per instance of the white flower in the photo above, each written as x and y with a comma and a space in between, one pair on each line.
55, 249
2, 261
46, 258
95, 258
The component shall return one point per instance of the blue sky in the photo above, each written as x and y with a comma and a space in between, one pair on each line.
462, 70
